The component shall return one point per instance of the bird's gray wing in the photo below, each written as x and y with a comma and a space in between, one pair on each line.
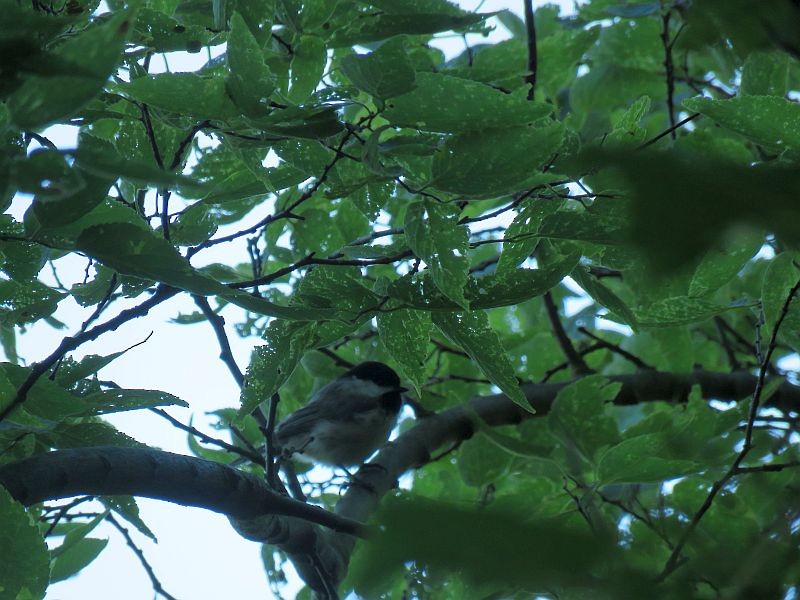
335, 401
299, 422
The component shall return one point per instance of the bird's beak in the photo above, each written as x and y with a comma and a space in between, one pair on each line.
402, 389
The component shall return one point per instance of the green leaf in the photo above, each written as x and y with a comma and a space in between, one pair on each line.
194, 225
45, 399
88, 433
94, 54
765, 74
481, 462
780, 277
100, 158
26, 302
61, 233
26, 562
183, 93
443, 537
308, 64
384, 73
495, 162
94, 291
126, 507
519, 237
699, 201
76, 558
676, 348
489, 291
471, 332
443, 244
520, 285
273, 363
406, 334
719, 265
600, 223
767, 120
603, 295
579, 415
643, 459
680, 310
383, 24
120, 400
449, 104
76, 533
70, 374
136, 251
251, 82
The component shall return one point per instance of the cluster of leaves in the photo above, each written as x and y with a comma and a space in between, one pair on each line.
414, 208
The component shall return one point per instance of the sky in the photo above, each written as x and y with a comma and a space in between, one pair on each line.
198, 556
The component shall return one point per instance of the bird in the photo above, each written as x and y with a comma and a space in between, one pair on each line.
346, 420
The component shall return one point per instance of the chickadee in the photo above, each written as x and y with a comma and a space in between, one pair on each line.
345, 421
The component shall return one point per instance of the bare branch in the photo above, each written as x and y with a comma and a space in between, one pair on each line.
157, 587
673, 562
530, 28
576, 362
68, 344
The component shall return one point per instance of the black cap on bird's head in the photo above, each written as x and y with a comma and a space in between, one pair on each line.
376, 372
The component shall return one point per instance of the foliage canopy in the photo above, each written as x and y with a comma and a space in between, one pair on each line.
635, 162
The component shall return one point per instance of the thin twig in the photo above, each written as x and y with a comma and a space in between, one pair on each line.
577, 365
617, 350
678, 125
530, 28
674, 559
63, 510
70, 343
726, 345
775, 467
151, 135
282, 214
157, 587
243, 452
218, 325
177, 158
102, 305
271, 450
669, 69
310, 259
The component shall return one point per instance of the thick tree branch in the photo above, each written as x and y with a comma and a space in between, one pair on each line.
111, 471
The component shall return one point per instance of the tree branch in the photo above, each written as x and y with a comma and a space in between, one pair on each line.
576, 362
111, 471
669, 69
218, 325
70, 343
673, 562
415, 446
151, 574
616, 349
244, 453
530, 28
